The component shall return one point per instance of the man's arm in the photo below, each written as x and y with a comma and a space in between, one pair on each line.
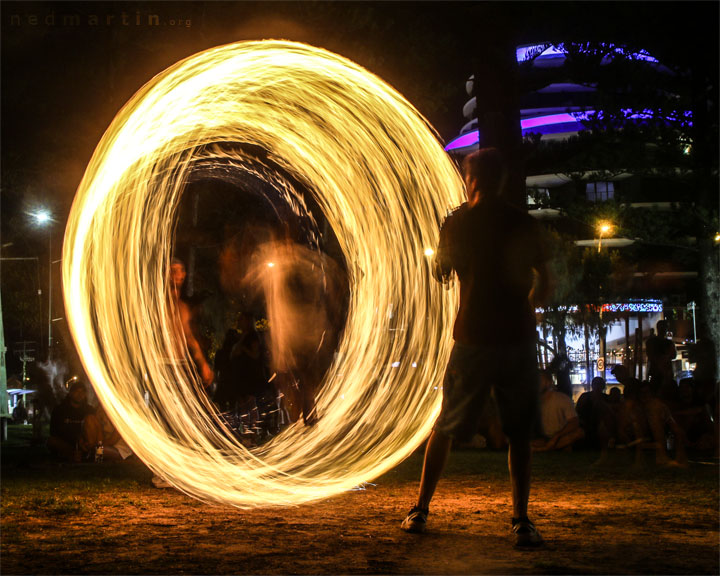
193, 345
442, 265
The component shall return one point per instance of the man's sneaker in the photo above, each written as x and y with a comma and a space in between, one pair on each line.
525, 533
416, 521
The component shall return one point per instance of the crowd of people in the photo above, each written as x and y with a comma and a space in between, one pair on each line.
633, 416
640, 417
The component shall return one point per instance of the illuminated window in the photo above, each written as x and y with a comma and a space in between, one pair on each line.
599, 191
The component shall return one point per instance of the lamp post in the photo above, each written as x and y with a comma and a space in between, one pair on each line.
44, 218
691, 306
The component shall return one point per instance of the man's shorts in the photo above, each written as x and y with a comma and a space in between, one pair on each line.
511, 371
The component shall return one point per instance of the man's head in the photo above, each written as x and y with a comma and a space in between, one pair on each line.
77, 395
621, 373
661, 328
177, 273
615, 396
485, 174
598, 384
685, 391
546, 381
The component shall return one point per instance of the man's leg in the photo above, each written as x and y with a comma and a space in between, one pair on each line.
519, 464
518, 400
436, 456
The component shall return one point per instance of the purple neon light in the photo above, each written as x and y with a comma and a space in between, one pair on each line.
468, 139
552, 50
573, 122
527, 123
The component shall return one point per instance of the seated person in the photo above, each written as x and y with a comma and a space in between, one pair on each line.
693, 417
659, 422
20, 413
560, 423
596, 416
98, 428
645, 421
67, 425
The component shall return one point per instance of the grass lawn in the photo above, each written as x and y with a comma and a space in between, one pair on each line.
610, 519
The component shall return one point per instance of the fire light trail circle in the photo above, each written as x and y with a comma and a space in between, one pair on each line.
383, 182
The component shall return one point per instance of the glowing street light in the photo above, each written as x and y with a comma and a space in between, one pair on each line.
603, 228
42, 217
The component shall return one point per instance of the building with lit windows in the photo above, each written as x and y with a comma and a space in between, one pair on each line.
606, 152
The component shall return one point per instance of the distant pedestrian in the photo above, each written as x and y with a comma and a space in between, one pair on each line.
660, 354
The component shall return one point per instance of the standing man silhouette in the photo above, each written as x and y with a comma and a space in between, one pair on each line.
498, 254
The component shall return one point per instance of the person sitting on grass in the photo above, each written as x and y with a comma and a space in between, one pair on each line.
596, 416
659, 422
693, 417
20, 413
559, 421
98, 428
67, 440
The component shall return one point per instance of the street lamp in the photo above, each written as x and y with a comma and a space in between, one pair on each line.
603, 228
44, 218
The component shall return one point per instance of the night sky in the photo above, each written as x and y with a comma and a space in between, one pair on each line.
68, 67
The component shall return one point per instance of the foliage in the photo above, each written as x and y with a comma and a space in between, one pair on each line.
641, 137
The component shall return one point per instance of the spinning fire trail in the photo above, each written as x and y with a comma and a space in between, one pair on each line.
382, 181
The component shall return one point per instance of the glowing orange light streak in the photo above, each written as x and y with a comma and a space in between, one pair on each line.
383, 182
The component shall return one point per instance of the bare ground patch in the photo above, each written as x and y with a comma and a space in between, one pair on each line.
108, 519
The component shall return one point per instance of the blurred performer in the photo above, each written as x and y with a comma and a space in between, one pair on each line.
182, 326
183, 321
497, 252
300, 290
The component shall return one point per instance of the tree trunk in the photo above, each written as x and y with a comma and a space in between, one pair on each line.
588, 366
497, 104
709, 308
705, 158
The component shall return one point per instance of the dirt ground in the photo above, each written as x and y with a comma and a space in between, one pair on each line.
108, 519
